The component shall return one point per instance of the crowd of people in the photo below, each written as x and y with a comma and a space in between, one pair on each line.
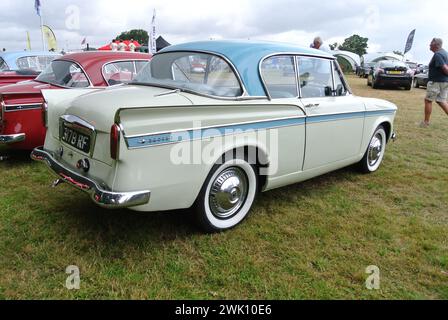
120, 45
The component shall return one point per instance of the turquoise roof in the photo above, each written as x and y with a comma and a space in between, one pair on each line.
10, 57
246, 56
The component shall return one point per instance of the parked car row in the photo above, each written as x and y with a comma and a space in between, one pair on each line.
175, 138
23, 65
22, 104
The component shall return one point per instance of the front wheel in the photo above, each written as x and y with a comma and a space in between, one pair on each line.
375, 152
226, 196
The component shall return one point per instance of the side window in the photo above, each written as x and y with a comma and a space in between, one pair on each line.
280, 77
340, 89
315, 77
119, 72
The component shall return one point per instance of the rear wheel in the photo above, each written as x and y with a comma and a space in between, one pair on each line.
226, 196
375, 151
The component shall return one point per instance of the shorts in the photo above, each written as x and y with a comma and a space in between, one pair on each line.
437, 91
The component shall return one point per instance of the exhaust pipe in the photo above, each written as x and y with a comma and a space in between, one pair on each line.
56, 183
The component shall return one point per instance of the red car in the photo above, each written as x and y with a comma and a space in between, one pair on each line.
22, 104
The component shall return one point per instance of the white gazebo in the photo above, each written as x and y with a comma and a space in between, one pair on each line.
350, 58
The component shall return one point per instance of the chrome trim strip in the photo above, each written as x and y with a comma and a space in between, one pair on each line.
12, 138
98, 192
22, 107
170, 137
213, 127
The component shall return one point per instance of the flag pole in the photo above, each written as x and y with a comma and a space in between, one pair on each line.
42, 29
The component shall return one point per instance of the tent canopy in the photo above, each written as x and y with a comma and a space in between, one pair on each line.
127, 42
351, 58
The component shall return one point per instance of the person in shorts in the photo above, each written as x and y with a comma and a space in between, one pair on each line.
437, 88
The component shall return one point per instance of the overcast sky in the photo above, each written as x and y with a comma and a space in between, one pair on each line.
386, 23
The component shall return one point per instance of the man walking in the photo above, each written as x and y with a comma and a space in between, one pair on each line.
437, 89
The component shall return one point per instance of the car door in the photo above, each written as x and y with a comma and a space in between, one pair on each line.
335, 118
279, 75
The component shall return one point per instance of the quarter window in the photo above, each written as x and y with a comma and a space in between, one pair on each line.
280, 77
315, 77
119, 72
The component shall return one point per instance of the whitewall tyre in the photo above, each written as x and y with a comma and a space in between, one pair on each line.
375, 151
227, 195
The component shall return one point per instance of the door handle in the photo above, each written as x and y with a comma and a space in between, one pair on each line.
312, 105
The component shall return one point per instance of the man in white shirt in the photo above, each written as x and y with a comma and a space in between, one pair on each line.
114, 45
319, 44
132, 46
122, 46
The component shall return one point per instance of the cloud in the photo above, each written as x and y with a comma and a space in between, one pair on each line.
385, 23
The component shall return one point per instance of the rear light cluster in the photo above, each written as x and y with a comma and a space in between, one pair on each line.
380, 71
45, 114
115, 141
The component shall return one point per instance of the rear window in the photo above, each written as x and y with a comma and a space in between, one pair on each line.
64, 73
122, 71
198, 72
392, 64
36, 63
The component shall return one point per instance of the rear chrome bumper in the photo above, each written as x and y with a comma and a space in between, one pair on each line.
98, 191
12, 138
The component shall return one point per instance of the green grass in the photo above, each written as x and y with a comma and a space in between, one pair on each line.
309, 240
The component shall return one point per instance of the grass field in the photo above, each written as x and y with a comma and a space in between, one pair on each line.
309, 240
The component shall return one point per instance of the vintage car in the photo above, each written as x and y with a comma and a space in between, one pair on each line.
177, 139
21, 122
390, 73
23, 65
421, 79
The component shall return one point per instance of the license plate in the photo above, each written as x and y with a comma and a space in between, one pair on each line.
76, 139
395, 72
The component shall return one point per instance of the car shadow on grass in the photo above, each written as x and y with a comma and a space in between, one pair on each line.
12, 158
132, 227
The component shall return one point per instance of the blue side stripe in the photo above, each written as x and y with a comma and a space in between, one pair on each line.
174, 137
188, 135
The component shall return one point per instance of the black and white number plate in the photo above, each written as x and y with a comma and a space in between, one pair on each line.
75, 138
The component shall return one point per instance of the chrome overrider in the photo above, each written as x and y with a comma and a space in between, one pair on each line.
98, 192
12, 138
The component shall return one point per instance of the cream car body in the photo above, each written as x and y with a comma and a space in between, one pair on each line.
314, 125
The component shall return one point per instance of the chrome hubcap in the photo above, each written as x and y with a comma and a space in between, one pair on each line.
375, 149
228, 193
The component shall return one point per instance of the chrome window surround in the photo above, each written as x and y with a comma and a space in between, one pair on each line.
297, 69
243, 96
118, 61
78, 124
79, 66
5, 64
